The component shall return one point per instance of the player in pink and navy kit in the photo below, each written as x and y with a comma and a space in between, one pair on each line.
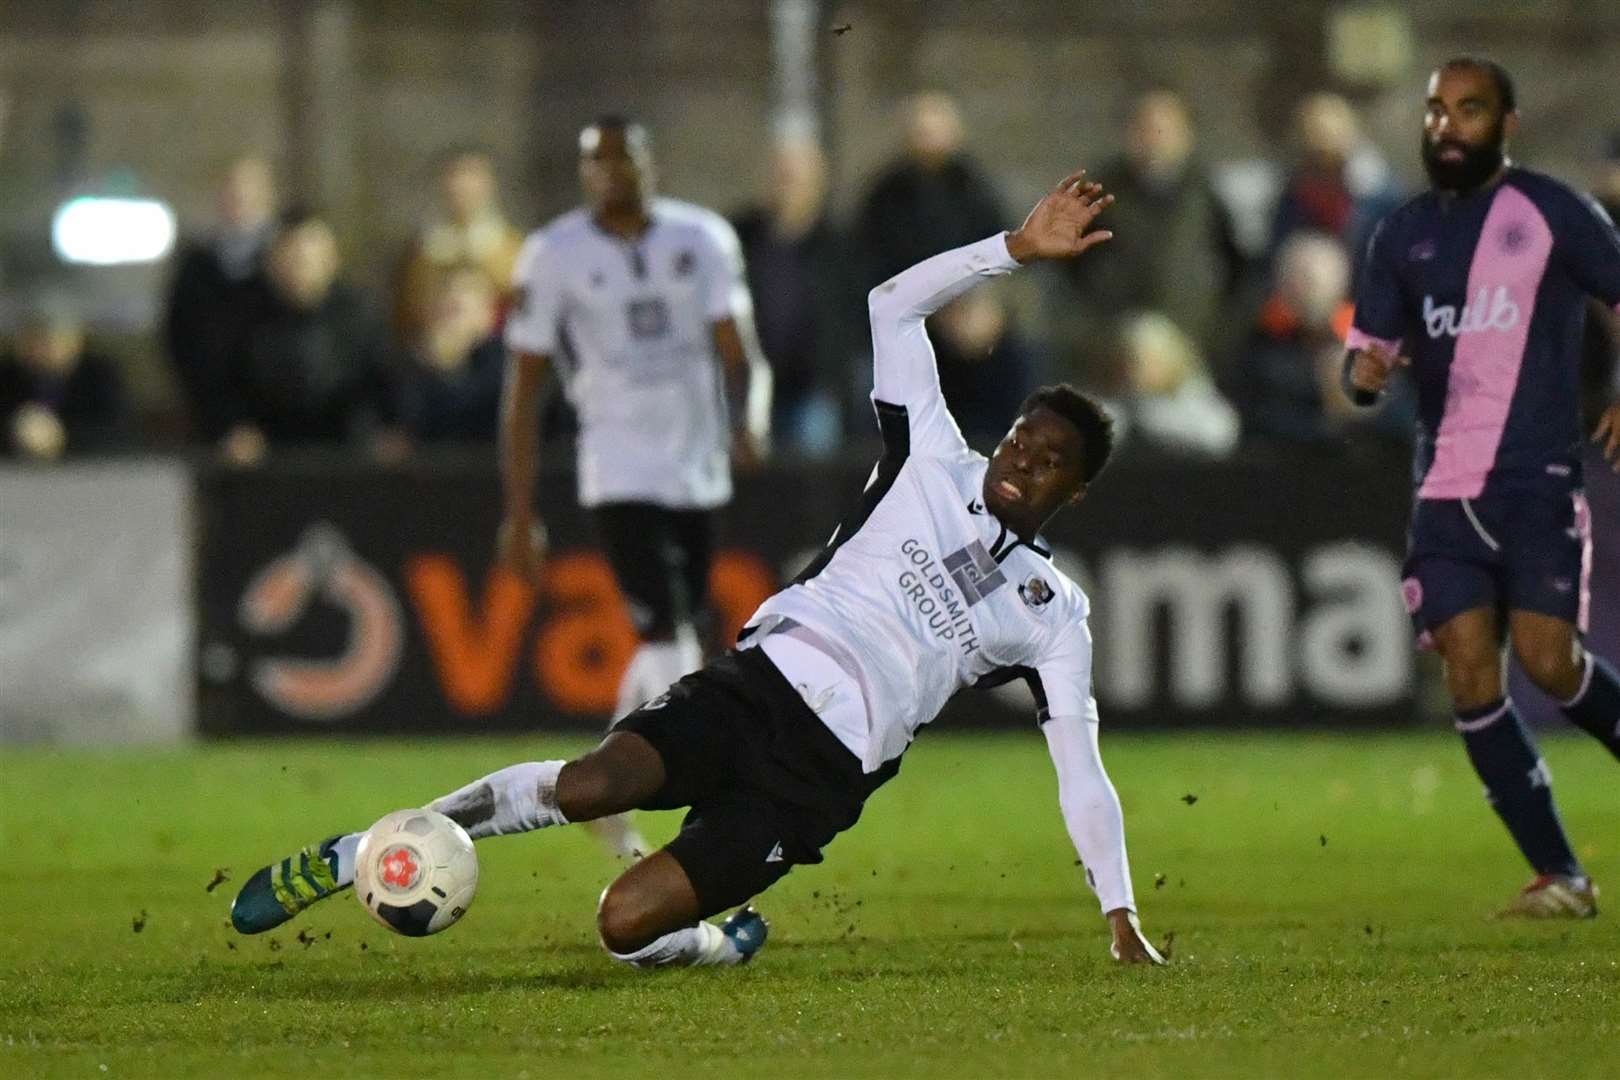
1479, 286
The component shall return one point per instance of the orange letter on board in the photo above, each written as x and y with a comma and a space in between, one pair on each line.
474, 655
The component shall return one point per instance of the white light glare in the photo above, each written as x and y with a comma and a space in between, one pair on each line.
111, 232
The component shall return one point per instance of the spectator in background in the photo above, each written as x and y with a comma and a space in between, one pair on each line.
450, 389
214, 279
1173, 250
1340, 184
932, 199
470, 229
1287, 382
1167, 399
57, 398
985, 368
807, 306
312, 360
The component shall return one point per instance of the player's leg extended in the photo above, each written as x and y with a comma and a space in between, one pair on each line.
1516, 780
619, 774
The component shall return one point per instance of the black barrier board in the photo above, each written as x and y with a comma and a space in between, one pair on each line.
350, 599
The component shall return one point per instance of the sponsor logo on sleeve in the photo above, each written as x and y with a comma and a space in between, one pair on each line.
1035, 593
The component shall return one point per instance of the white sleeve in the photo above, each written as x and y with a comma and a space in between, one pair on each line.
1090, 806
537, 308
904, 374
725, 281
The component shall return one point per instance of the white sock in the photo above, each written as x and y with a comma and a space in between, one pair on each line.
345, 847
515, 799
692, 946
655, 666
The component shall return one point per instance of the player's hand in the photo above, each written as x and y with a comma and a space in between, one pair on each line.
520, 546
1608, 434
1056, 228
1370, 370
1129, 946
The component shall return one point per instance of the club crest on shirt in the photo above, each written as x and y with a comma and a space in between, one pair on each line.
1035, 593
1512, 238
685, 263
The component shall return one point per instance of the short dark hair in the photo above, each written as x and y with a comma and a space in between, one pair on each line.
1499, 75
1089, 418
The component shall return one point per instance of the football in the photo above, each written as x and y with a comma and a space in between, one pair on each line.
416, 872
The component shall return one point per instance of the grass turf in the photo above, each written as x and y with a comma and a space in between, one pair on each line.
1328, 900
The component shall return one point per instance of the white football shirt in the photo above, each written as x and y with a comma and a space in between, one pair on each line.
629, 326
923, 592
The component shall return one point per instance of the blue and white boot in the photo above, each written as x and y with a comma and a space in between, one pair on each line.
747, 930
281, 890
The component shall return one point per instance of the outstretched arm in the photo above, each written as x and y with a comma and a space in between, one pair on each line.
1091, 810
904, 373
1096, 825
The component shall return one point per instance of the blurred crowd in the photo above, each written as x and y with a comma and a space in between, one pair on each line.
1202, 336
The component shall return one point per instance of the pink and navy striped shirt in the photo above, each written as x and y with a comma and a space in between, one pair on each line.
1485, 292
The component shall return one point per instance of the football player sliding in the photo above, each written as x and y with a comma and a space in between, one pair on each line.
936, 580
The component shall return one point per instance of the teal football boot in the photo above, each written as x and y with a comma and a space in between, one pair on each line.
281, 890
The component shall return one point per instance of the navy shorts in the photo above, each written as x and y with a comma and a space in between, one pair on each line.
1518, 550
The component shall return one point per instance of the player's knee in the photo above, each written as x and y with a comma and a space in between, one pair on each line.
624, 919
1473, 680
1551, 666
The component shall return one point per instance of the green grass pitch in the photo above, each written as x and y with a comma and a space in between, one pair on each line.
1328, 899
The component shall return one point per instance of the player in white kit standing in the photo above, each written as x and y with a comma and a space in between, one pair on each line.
641, 306
937, 580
